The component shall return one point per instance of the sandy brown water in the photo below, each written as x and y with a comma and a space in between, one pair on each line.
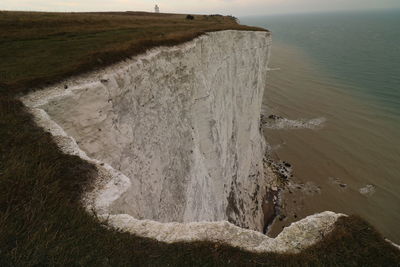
356, 146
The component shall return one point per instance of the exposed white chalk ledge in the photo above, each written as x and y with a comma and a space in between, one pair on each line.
292, 239
174, 135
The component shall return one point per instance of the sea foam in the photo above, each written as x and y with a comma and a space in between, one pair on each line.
276, 122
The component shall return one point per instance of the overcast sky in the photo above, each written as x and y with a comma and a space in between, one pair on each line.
234, 7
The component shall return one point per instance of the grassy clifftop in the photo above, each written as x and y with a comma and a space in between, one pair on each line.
42, 222
39, 48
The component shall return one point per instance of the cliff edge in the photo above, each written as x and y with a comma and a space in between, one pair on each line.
175, 136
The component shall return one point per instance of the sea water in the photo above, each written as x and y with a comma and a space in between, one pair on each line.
335, 83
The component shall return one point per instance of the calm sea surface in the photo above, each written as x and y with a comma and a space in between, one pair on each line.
337, 84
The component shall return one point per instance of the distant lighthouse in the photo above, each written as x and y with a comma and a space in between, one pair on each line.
156, 9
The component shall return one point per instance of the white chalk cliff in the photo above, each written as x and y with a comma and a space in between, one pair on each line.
175, 136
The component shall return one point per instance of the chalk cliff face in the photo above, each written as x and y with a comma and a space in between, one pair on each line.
183, 125
175, 135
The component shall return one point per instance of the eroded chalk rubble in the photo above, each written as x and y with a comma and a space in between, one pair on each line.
175, 136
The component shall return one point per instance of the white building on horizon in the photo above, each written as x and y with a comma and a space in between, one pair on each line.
156, 9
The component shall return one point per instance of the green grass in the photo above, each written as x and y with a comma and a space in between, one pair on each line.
41, 48
42, 222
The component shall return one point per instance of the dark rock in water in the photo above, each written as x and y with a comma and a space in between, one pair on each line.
65, 86
274, 117
282, 169
104, 80
337, 181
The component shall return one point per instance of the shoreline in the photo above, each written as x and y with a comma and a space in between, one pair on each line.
352, 159
273, 200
